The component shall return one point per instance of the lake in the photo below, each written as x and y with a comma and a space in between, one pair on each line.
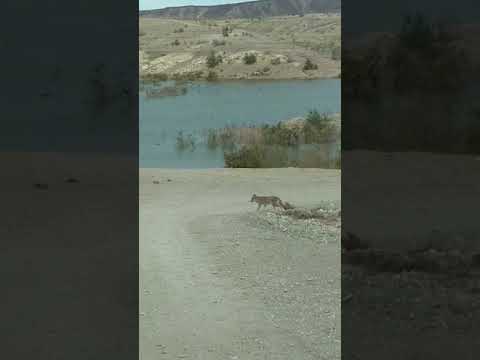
201, 106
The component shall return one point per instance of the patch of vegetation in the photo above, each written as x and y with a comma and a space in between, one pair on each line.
316, 119
309, 65
225, 31
180, 30
318, 128
188, 76
276, 61
338, 162
216, 42
249, 59
176, 42
418, 33
280, 135
226, 138
245, 157
426, 66
213, 60
317, 47
212, 76
185, 142
154, 77
212, 141
165, 91
270, 145
257, 156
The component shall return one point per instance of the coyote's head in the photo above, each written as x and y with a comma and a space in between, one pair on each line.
253, 198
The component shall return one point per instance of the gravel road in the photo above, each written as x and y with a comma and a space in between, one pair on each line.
219, 280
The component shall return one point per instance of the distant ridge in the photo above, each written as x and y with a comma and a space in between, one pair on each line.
252, 9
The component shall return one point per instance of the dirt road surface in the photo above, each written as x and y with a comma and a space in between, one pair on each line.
219, 280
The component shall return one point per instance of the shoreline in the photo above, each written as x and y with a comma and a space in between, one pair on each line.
229, 80
239, 170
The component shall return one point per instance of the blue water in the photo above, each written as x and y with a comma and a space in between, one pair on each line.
216, 105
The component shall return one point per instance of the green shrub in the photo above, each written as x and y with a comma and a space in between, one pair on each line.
250, 58
185, 142
338, 163
275, 61
180, 30
315, 118
257, 156
155, 77
225, 31
188, 76
280, 135
217, 42
176, 42
181, 142
212, 76
309, 65
318, 127
213, 60
226, 138
245, 157
418, 33
212, 139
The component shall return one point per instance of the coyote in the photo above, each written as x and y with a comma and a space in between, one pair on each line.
265, 200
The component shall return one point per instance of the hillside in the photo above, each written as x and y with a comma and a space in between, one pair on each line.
178, 48
253, 9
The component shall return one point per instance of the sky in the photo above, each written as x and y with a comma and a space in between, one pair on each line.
158, 4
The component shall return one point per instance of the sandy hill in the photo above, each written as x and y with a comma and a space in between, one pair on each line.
252, 9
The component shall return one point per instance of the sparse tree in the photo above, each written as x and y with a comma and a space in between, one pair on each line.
249, 58
309, 65
225, 31
213, 60
212, 76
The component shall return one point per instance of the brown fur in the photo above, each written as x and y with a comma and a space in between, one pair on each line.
267, 200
